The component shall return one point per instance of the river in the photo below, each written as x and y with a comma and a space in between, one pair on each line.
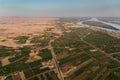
95, 19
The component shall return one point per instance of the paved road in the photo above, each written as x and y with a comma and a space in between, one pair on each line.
55, 61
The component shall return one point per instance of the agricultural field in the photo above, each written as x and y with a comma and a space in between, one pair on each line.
104, 41
78, 49
62, 51
6, 51
117, 56
21, 39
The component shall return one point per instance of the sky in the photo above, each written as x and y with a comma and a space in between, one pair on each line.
60, 8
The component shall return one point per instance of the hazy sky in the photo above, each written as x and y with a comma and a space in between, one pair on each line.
59, 8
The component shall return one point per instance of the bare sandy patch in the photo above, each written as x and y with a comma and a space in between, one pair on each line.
33, 57
22, 75
5, 61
